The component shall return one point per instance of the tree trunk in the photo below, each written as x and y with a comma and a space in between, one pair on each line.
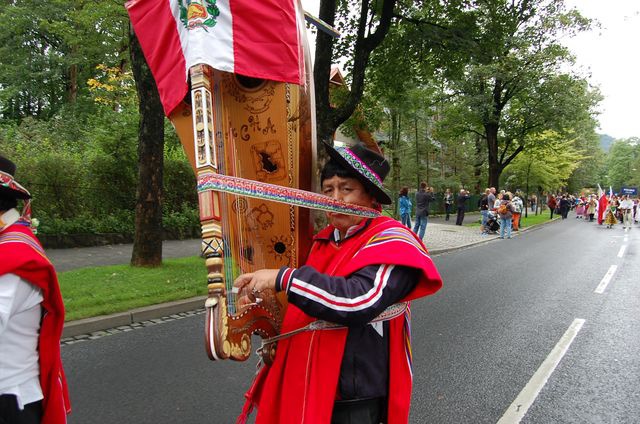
428, 144
477, 166
415, 123
395, 158
147, 244
72, 84
491, 131
329, 118
321, 75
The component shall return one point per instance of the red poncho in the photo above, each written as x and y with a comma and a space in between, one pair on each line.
21, 254
602, 208
301, 385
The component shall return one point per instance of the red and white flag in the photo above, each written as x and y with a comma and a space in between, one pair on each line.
256, 38
602, 204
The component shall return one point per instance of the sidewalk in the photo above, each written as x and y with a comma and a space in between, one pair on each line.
440, 237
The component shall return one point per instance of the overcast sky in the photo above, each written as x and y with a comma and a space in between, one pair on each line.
609, 54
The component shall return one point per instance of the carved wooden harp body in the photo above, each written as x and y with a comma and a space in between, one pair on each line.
258, 130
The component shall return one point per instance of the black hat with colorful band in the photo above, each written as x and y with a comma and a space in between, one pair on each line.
368, 166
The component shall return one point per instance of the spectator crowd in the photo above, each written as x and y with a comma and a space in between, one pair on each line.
501, 212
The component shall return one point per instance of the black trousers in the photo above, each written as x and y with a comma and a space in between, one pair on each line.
10, 414
364, 411
460, 217
447, 210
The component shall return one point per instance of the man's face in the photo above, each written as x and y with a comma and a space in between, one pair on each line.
348, 190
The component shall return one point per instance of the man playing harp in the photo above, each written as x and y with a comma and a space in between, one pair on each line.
360, 369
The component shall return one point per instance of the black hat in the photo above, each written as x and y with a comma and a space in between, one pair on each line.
9, 187
368, 166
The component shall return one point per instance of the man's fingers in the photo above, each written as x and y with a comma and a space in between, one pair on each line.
243, 280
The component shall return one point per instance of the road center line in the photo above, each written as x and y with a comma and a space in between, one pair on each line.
528, 395
606, 279
621, 251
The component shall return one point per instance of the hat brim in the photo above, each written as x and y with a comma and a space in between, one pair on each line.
379, 194
16, 194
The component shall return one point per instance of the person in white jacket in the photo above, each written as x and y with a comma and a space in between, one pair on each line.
626, 208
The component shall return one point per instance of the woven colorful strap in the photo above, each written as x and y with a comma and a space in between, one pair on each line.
15, 237
276, 193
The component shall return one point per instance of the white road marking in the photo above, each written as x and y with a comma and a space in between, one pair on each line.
606, 279
621, 251
528, 395
626, 238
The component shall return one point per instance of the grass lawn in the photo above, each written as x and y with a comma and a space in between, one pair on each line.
529, 221
89, 292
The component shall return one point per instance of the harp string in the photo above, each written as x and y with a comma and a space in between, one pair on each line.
222, 145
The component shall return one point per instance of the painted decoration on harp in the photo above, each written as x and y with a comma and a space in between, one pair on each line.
268, 161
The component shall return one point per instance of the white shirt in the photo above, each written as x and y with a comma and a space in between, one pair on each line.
8, 218
626, 204
20, 314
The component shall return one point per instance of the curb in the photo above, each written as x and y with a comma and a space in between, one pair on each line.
103, 322
434, 252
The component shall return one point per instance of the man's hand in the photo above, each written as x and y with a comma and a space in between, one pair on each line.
256, 282
250, 285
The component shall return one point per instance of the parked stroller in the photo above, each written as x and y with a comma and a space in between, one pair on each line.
493, 223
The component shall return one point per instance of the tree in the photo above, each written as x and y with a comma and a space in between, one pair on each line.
364, 24
49, 49
545, 167
147, 244
512, 87
621, 161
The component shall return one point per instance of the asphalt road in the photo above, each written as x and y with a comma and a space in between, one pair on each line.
505, 309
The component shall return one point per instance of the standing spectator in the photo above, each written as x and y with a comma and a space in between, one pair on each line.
32, 383
483, 204
565, 204
505, 212
462, 200
497, 202
448, 202
517, 211
491, 198
551, 202
424, 196
626, 208
405, 207
533, 201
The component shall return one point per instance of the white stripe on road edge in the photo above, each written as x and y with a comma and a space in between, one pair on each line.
528, 395
621, 251
606, 279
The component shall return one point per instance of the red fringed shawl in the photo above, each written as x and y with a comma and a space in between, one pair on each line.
22, 254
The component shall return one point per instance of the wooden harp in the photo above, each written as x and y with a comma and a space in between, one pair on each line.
256, 134
258, 130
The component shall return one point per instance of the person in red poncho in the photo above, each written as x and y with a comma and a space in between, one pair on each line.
360, 275
32, 383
